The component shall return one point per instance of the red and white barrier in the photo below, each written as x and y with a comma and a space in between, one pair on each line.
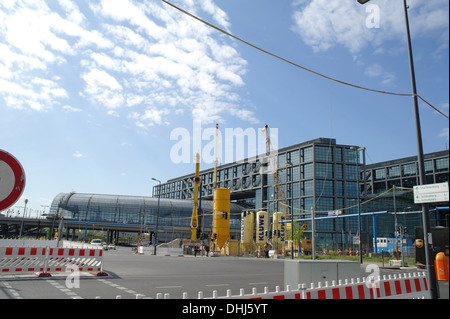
406, 286
42, 260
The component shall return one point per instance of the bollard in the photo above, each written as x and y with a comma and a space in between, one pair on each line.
441, 265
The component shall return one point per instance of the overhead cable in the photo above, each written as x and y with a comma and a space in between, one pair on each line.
297, 65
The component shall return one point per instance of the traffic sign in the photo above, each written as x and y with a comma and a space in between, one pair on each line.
12, 180
431, 193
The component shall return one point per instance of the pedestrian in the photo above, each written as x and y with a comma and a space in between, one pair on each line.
207, 250
195, 251
266, 250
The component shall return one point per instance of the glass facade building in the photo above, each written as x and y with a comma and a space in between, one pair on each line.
323, 176
317, 176
389, 186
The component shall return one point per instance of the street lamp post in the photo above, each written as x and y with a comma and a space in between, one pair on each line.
157, 214
425, 209
357, 149
23, 218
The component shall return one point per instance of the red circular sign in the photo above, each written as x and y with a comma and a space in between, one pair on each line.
12, 180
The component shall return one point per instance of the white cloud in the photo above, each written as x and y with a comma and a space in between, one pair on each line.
69, 108
103, 88
150, 117
376, 70
77, 154
146, 58
323, 24
444, 133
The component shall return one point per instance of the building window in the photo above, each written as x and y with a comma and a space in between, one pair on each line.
324, 204
338, 154
324, 153
351, 156
338, 171
258, 203
324, 170
392, 183
307, 203
324, 187
306, 154
295, 173
295, 189
441, 178
339, 188
351, 172
352, 189
393, 172
282, 160
409, 169
307, 188
428, 166
307, 171
294, 157
441, 164
380, 174
379, 187
409, 182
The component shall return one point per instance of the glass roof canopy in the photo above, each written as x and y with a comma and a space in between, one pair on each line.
137, 210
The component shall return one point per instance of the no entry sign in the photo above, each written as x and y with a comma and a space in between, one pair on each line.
12, 180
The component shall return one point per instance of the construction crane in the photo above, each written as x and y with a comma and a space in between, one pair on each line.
215, 155
273, 164
194, 218
280, 200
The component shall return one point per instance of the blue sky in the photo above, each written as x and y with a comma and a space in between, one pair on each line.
91, 91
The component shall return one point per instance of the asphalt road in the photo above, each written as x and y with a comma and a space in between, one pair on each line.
132, 276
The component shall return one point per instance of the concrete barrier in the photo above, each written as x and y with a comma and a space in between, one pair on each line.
166, 251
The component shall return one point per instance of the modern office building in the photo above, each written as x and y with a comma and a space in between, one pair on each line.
317, 176
390, 185
322, 176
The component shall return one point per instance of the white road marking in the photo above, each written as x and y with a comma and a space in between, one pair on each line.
64, 289
11, 290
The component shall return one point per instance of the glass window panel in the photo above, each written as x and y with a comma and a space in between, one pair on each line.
324, 170
393, 171
409, 169
441, 164
306, 154
324, 153
380, 174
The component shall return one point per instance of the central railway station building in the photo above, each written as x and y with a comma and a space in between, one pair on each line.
317, 176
